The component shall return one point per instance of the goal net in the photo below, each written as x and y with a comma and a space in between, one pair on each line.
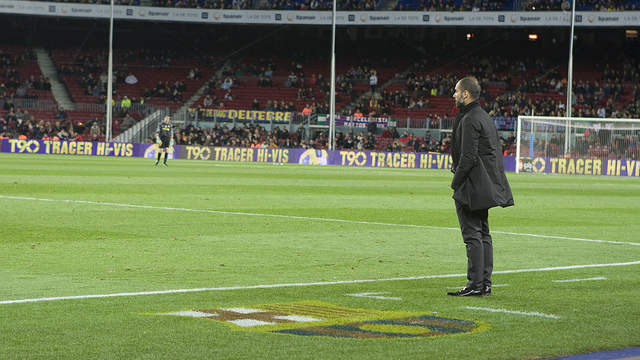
588, 146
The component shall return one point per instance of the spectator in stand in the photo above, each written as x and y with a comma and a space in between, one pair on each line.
307, 110
424, 148
428, 139
62, 115
125, 104
127, 123
301, 133
370, 142
339, 138
372, 127
414, 143
131, 79
21, 91
373, 81
226, 85
397, 145
95, 129
405, 136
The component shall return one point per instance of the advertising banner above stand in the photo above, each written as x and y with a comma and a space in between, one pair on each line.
531, 19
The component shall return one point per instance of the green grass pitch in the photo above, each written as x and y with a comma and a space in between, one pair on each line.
246, 235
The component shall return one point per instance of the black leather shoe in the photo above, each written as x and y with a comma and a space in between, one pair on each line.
466, 292
486, 290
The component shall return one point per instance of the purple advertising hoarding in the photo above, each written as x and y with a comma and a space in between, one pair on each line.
85, 148
320, 157
407, 160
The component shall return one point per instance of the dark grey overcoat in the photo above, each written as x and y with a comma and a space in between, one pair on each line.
479, 181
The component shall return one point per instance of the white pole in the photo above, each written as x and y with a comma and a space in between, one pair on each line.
110, 80
332, 91
570, 78
518, 143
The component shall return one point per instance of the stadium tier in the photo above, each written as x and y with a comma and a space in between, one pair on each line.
79, 70
414, 81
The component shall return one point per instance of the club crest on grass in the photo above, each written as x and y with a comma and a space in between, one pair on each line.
314, 318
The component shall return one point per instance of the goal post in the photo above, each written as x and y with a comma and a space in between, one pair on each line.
567, 145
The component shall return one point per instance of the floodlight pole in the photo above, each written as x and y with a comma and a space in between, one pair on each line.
332, 91
570, 79
109, 106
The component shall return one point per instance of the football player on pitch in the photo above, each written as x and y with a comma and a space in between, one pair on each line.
164, 138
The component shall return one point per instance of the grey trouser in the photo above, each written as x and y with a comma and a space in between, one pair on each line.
475, 233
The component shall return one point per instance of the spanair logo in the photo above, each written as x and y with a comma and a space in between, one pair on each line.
290, 17
363, 18
514, 18
217, 16
64, 9
314, 318
142, 13
591, 18
438, 18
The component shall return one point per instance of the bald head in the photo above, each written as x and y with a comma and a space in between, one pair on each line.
467, 90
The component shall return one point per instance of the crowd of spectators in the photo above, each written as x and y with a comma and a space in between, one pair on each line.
615, 93
15, 84
590, 99
243, 135
94, 79
206, 4
451, 6
99, 2
90, 64
18, 123
256, 136
583, 5
316, 101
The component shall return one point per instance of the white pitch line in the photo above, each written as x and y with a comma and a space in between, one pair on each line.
374, 295
308, 218
515, 312
589, 279
249, 287
564, 238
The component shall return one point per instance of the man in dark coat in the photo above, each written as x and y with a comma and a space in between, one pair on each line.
479, 183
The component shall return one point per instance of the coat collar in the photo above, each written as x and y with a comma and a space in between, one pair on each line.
474, 104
